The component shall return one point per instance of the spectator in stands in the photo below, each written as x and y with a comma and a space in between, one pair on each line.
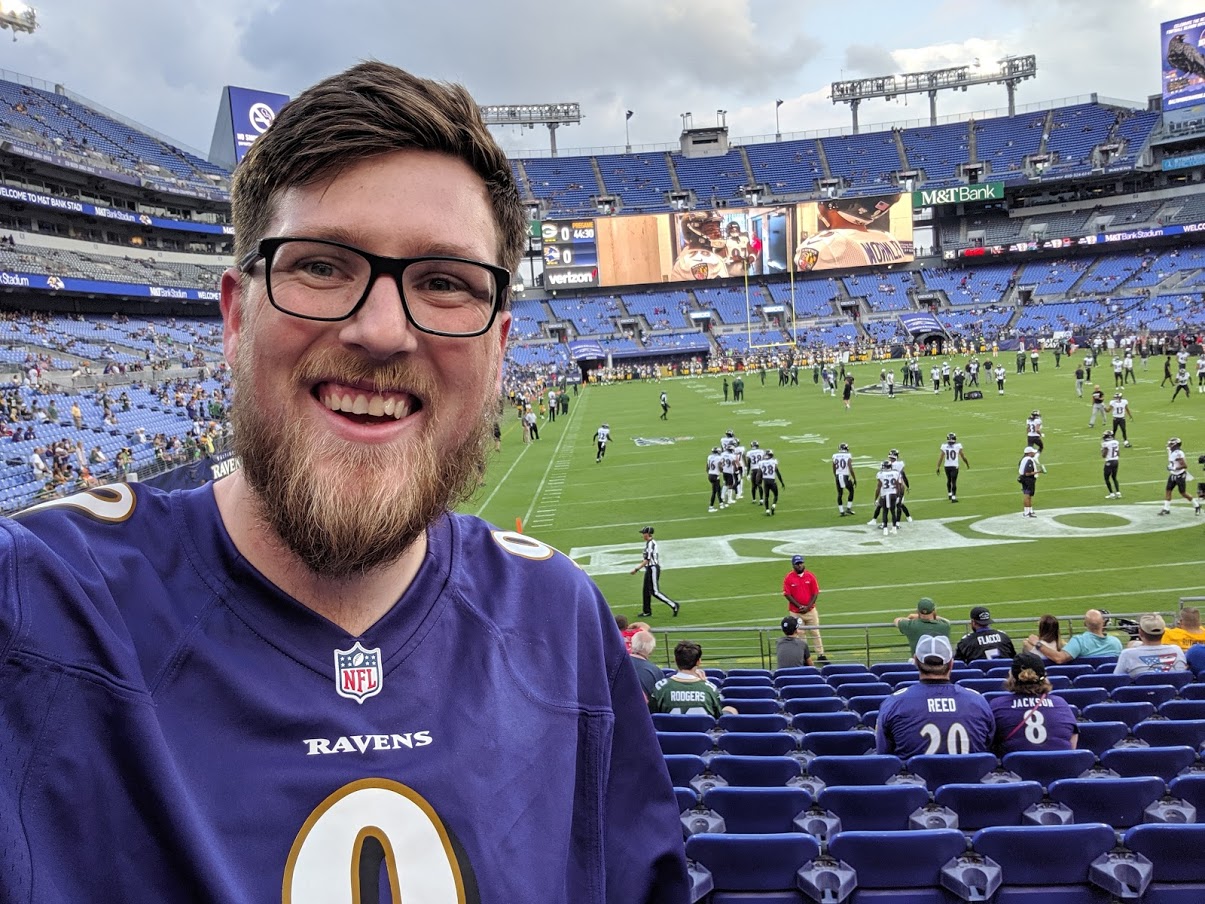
643, 644
791, 650
934, 715
687, 690
40, 468
983, 641
924, 621
1187, 630
1150, 653
1028, 717
1049, 636
97, 455
1195, 658
77, 416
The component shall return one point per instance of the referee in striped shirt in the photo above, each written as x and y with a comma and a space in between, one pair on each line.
652, 575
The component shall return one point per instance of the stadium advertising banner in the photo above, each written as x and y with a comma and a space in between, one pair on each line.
700, 245
1123, 236
960, 194
1183, 64
251, 112
41, 282
24, 196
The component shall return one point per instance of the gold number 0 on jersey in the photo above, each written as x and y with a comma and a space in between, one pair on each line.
339, 852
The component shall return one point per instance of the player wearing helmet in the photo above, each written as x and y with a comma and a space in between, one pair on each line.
1110, 451
1033, 430
1177, 476
771, 477
887, 496
952, 457
843, 472
898, 464
602, 436
1181, 383
714, 472
1121, 413
753, 468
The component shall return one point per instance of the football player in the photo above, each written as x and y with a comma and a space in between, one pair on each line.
1121, 413
1177, 476
1033, 431
602, 436
886, 494
898, 464
1110, 451
753, 466
843, 472
771, 477
701, 243
951, 457
847, 238
714, 477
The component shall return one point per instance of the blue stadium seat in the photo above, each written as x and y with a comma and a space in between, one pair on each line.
755, 771
753, 722
1118, 802
748, 687
1163, 762
838, 743
1171, 732
1130, 713
1183, 709
693, 742
1195, 691
863, 705
686, 798
871, 719
1071, 669
938, 769
796, 670
1047, 864
979, 805
1191, 788
982, 685
880, 668
757, 811
898, 867
683, 767
1100, 736
869, 769
1176, 679
1083, 696
873, 808
842, 668
757, 743
840, 679
1175, 853
1155, 694
753, 869
716, 675
842, 721
832, 704
747, 707
1046, 766
806, 691
781, 681
1108, 682
750, 673
683, 722
869, 689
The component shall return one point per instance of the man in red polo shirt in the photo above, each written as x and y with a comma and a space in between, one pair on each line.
801, 590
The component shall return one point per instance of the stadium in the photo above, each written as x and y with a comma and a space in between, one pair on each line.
882, 290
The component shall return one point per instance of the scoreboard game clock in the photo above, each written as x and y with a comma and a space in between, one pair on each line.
570, 253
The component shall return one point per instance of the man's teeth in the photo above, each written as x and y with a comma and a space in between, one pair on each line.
373, 405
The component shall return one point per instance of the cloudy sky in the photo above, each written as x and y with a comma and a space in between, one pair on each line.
163, 62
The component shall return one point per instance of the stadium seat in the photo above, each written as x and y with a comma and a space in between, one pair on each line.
871, 689
898, 867
753, 722
863, 705
1083, 696
1191, 788
1130, 713
753, 687
755, 771
715, 675
1100, 736
1100, 663
1118, 802
838, 743
683, 767
1175, 679
757, 743
796, 670
742, 866
895, 679
1047, 864
747, 707
814, 705
869, 769
750, 673
694, 742
842, 721
1108, 682
1046, 766
1155, 694
840, 679
939, 768
842, 668
757, 811
1183, 709
871, 719
1071, 669
1059, 682
963, 672
979, 805
806, 691
1163, 762
1171, 732
879, 668
782, 681
1175, 853
982, 685
873, 808
1195, 691
683, 722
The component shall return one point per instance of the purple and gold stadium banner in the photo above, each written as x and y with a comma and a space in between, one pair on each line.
696, 245
40, 282
24, 196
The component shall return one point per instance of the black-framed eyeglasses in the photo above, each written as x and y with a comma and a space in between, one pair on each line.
316, 279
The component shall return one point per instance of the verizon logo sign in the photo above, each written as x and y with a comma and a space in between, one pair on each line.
562, 277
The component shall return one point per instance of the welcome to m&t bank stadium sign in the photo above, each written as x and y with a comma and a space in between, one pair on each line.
961, 194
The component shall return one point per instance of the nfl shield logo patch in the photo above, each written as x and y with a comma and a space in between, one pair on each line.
358, 673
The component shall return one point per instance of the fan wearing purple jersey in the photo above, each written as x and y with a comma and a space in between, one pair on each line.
258, 690
934, 715
1029, 717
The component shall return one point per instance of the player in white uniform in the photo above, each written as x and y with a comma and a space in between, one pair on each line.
1000, 379
1110, 451
887, 496
1201, 374
715, 478
771, 477
1177, 476
739, 451
843, 472
1121, 413
753, 468
1033, 431
898, 464
951, 457
601, 437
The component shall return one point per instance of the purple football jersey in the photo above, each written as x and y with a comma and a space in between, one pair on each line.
933, 717
173, 727
1032, 723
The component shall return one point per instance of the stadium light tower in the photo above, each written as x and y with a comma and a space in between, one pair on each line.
531, 115
18, 16
1013, 70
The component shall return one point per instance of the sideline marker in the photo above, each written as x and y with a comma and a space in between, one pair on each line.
518, 525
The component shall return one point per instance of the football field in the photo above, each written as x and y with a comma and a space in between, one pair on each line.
726, 568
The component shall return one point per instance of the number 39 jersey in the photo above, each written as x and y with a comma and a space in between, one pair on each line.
934, 717
175, 728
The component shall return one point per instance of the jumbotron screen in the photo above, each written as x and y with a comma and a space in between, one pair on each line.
690, 246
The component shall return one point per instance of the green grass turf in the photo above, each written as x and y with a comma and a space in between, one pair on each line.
726, 568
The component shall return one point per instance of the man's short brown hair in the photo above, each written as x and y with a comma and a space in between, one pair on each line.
371, 109
687, 654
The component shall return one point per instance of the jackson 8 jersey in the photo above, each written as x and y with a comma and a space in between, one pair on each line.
176, 728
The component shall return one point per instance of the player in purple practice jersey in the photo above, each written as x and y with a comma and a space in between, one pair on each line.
1030, 718
933, 716
259, 690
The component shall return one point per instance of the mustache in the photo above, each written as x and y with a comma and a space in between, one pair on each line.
337, 365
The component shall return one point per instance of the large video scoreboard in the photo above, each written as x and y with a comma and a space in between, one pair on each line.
570, 253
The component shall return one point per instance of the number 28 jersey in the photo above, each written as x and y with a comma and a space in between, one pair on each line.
934, 717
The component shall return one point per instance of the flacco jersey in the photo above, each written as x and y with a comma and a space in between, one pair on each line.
176, 728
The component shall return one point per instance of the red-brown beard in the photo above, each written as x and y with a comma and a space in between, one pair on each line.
369, 503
